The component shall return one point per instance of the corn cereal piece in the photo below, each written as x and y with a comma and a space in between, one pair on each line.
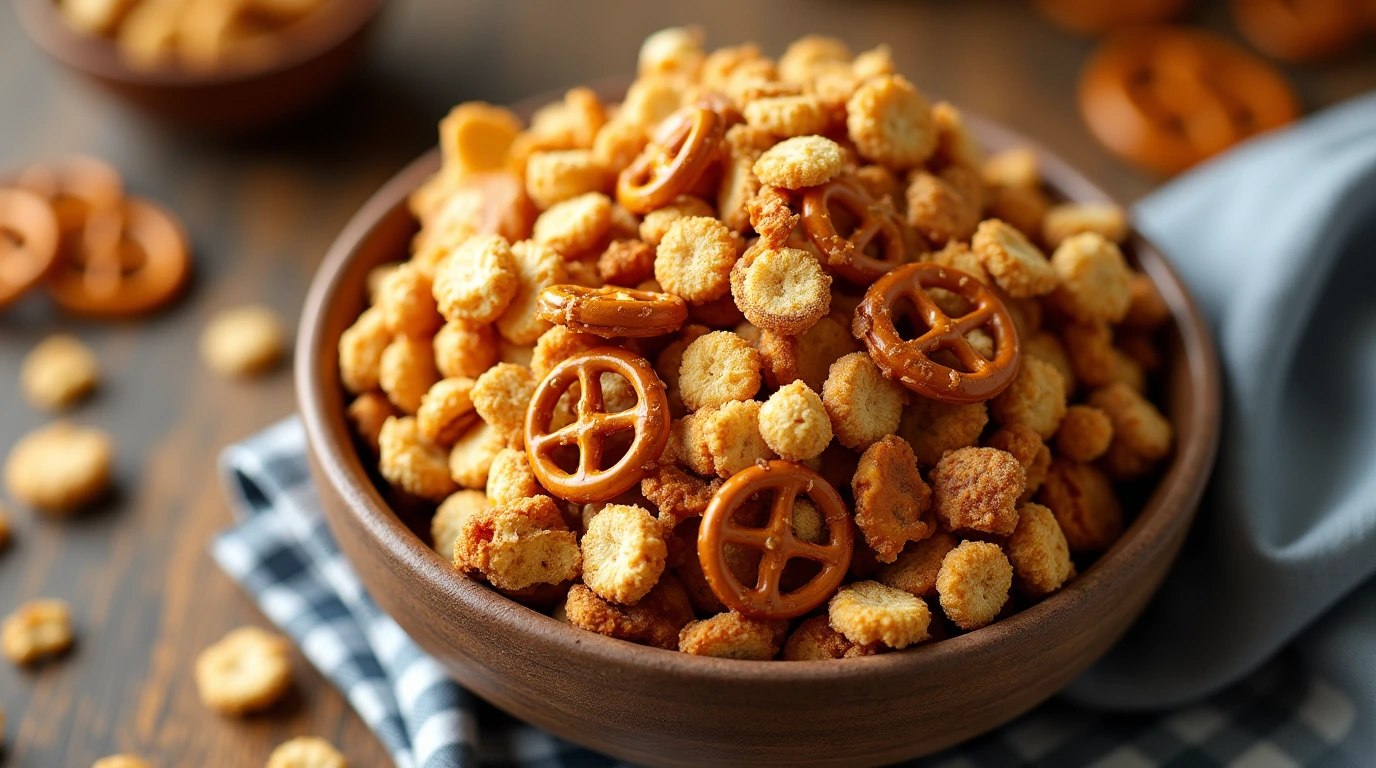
973, 583
449, 517
1036, 399
784, 290
787, 116
874, 62
1069, 219
537, 268
732, 636
501, 396
1085, 433
694, 259
677, 494
444, 412
478, 280
1091, 352
1095, 283
60, 467
794, 423
728, 435
891, 500
977, 489
954, 143
559, 175
932, 427
809, 55
938, 210
407, 371
242, 341
1017, 266
655, 620
890, 123
869, 612
623, 553
1141, 435
674, 51
464, 350
37, 629
360, 351
510, 478
626, 262
476, 137
1023, 207
470, 460
1038, 552
802, 161
1027, 447
306, 752
406, 297
717, 368
407, 460
815, 640
863, 405
518, 544
575, 226
58, 372
367, 413
915, 569
1084, 503
245, 671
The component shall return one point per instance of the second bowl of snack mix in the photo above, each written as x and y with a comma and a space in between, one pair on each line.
760, 412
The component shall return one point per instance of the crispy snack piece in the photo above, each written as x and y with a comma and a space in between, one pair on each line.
464, 349
794, 423
1047, 346
973, 583
1147, 310
864, 406
360, 351
477, 280
623, 553
890, 123
868, 612
306, 752
367, 413
1038, 552
695, 257
1066, 220
407, 371
1095, 282
786, 116
732, 636
518, 544
977, 489
557, 175
784, 290
677, 494
1091, 352
1017, 266
1085, 433
445, 411
242, 341
470, 460
802, 161
772, 216
501, 396
476, 137
1027, 447
406, 296
724, 439
717, 368
808, 357
815, 640
36, 629
58, 372
1083, 501
1023, 207
655, 619
915, 569
510, 478
938, 210
656, 223
449, 517
1035, 399
627, 263
247, 670
1141, 435
559, 344
891, 500
538, 267
60, 467
573, 227
409, 461
932, 427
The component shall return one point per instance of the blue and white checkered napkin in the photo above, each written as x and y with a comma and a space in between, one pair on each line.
282, 553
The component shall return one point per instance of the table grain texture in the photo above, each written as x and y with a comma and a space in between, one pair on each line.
146, 595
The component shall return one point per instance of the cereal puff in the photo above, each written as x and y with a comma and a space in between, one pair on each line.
785, 290
794, 423
717, 368
694, 259
37, 629
1085, 433
449, 517
869, 612
558, 175
802, 161
787, 116
977, 489
59, 468
518, 544
407, 371
1017, 266
815, 640
932, 427
623, 553
409, 461
360, 351
938, 211
367, 413
58, 372
726, 438
245, 671
733, 636
445, 411
1084, 503
1027, 447
1095, 282
1067, 220
890, 123
891, 499
1038, 551
1035, 399
1141, 435
627, 263
574, 226
864, 406
477, 280
305, 752
973, 584
916, 568
537, 268
510, 477
655, 620
406, 297
464, 350
470, 460
501, 396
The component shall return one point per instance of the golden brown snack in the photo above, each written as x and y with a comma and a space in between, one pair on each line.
537, 268
501, 396
58, 372
977, 489
1027, 447
471, 458
247, 670
1095, 282
955, 146
815, 640
787, 116
1035, 399
475, 137
35, 630
784, 290
1017, 266
717, 368
477, 280
367, 413
732, 636
938, 210
868, 612
1084, 503
772, 216
808, 357
360, 351
1047, 346
449, 517
623, 553
891, 499
890, 123
932, 427
657, 222
1141, 435
627, 263
60, 467
406, 297
557, 175
306, 752
518, 544
724, 439
802, 161
559, 344
409, 461
464, 349
1038, 551
1069, 219
407, 371
1147, 310
510, 478
445, 411
573, 227
973, 583
655, 620
694, 259
1023, 207
794, 423
915, 569
864, 406
1091, 352
1085, 433
242, 341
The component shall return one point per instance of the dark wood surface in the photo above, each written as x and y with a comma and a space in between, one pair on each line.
146, 596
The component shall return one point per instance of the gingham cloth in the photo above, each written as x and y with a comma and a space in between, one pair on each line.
282, 553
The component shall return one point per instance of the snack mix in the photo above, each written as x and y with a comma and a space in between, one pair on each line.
766, 360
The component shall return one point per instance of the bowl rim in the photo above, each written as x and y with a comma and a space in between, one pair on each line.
1175, 496
99, 57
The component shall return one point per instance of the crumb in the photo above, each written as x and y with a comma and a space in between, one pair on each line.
58, 372
242, 341
37, 629
60, 468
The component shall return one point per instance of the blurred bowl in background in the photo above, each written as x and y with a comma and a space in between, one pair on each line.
311, 59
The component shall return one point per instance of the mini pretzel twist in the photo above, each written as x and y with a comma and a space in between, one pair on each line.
910, 360
611, 311
29, 238
846, 255
683, 147
649, 419
765, 599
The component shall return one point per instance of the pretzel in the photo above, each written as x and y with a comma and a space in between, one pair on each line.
124, 272
847, 255
776, 540
910, 361
649, 419
612, 311
29, 237
681, 149
76, 186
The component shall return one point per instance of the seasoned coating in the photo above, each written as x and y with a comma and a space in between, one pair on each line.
360, 351
626, 263
815, 640
574, 226
1038, 551
58, 372
973, 583
1082, 499
1141, 435
406, 297
471, 458
247, 670
915, 569
1047, 346
863, 405
1147, 310
932, 427
623, 553
717, 368
412, 463
537, 268
449, 517
655, 620
732, 636
444, 412
656, 223
786, 116
1066, 220
772, 216
1027, 447
36, 629
1085, 433
559, 175
367, 413
59, 468
938, 210
794, 423
694, 259
891, 499
728, 435
407, 371
477, 281
869, 612
501, 396
977, 489
464, 349
1035, 399
808, 357
1095, 282
890, 123
509, 478
1091, 352
677, 494
802, 161
784, 290
1017, 266
518, 544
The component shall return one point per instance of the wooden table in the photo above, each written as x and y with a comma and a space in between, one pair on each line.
146, 596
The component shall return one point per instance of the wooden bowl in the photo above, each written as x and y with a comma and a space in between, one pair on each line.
312, 58
665, 708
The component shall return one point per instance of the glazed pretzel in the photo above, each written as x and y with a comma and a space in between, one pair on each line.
846, 255
123, 265
611, 311
29, 237
910, 361
765, 600
682, 148
77, 187
649, 419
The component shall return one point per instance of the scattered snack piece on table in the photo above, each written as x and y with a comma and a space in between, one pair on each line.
247, 670
679, 353
242, 341
37, 629
306, 752
58, 372
59, 468
120, 761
